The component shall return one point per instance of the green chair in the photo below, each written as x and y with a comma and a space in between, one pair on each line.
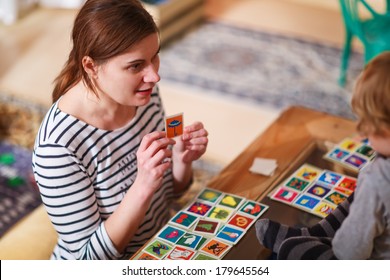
372, 30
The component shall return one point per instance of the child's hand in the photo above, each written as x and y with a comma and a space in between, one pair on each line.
192, 144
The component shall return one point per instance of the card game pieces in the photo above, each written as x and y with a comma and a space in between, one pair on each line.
143, 256
174, 125
209, 195
241, 221
351, 153
205, 229
253, 209
204, 257
199, 208
180, 253
158, 248
184, 219
216, 248
170, 234
314, 190
230, 234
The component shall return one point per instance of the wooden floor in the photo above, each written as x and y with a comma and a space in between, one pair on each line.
33, 50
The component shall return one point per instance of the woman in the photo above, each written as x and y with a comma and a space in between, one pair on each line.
106, 171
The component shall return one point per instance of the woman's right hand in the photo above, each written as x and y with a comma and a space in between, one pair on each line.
153, 159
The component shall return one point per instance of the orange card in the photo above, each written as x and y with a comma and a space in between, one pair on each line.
216, 248
174, 125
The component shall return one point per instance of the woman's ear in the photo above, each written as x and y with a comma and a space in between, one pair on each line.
90, 67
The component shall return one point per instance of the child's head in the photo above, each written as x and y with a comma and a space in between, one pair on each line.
371, 98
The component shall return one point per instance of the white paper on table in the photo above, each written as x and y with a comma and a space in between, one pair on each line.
264, 166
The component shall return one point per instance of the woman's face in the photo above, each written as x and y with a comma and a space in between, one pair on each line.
128, 79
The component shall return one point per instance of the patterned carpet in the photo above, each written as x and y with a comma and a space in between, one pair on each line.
19, 122
260, 68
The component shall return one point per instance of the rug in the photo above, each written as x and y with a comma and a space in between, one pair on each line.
261, 68
19, 194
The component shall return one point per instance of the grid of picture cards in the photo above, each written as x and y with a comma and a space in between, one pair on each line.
317, 191
351, 153
205, 229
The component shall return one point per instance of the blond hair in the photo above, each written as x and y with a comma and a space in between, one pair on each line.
371, 97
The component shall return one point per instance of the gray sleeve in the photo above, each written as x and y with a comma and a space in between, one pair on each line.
355, 238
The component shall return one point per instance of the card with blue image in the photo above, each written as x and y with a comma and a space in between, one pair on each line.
170, 234
230, 234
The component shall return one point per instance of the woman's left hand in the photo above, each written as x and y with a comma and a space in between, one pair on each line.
192, 144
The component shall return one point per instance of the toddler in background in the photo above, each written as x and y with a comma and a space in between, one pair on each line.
359, 228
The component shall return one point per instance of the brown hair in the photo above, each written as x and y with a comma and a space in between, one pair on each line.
371, 97
102, 30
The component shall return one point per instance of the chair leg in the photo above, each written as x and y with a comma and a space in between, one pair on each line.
345, 58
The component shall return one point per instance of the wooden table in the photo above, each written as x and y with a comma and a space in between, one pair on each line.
298, 136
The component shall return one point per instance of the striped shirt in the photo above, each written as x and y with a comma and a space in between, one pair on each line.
83, 174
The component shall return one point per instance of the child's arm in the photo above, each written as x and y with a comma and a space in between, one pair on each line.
358, 234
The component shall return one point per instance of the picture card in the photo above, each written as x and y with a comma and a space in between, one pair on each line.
284, 194
297, 183
184, 220
336, 197
216, 248
158, 248
230, 234
329, 178
323, 209
366, 151
308, 172
231, 201
170, 234
349, 144
144, 256
180, 253
220, 213
199, 208
209, 195
205, 257
348, 183
318, 190
190, 240
253, 208
241, 221
352, 153
206, 226
174, 125
307, 201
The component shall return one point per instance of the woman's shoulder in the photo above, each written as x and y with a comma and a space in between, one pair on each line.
57, 126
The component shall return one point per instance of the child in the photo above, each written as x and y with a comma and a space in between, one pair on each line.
359, 228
